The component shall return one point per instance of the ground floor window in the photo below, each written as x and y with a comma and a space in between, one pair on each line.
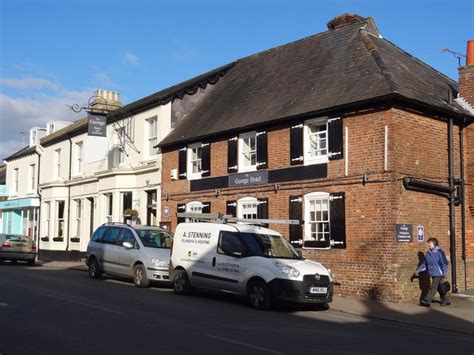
317, 218
194, 207
109, 207
247, 208
78, 217
60, 220
127, 206
47, 214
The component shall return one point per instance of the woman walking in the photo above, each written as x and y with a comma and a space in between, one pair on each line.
436, 263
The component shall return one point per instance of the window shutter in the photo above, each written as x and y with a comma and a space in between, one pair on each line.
182, 163
231, 208
262, 150
296, 212
206, 159
296, 144
232, 151
262, 209
206, 207
181, 208
335, 138
338, 220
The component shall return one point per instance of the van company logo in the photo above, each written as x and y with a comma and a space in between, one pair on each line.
317, 277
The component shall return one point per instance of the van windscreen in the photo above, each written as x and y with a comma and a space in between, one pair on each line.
270, 246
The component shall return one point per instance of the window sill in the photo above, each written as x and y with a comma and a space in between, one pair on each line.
315, 161
194, 177
247, 170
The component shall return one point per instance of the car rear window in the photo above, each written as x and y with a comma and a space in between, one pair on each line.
152, 238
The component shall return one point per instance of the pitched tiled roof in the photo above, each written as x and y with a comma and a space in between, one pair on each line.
340, 67
21, 153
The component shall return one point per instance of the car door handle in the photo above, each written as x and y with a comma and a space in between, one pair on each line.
214, 261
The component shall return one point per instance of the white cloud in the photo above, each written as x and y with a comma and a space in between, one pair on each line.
19, 114
131, 59
29, 82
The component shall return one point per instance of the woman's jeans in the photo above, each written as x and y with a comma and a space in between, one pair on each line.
436, 287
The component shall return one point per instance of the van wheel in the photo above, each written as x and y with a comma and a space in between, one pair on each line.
94, 269
139, 277
258, 295
181, 284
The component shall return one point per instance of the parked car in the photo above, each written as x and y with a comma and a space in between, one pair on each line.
247, 260
140, 252
15, 247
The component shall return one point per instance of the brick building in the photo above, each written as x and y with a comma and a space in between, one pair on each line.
326, 130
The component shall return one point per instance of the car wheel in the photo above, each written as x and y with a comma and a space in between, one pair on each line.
258, 295
139, 277
13, 262
181, 284
31, 262
94, 269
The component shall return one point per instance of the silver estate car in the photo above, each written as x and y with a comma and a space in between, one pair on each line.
140, 252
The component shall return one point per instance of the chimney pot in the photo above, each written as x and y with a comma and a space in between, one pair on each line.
344, 20
470, 52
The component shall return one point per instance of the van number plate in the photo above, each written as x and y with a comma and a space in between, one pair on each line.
318, 290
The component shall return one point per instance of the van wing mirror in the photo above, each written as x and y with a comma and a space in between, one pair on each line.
127, 245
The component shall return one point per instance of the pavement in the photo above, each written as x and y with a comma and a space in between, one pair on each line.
459, 316
53, 309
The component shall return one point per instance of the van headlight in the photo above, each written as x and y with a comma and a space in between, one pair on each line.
159, 263
287, 269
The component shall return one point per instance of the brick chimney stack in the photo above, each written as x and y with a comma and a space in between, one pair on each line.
344, 20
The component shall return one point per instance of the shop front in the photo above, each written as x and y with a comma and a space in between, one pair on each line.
20, 216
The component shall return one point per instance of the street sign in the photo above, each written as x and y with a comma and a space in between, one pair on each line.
97, 125
421, 233
404, 233
4, 190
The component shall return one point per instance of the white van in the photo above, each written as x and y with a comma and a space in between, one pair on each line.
248, 260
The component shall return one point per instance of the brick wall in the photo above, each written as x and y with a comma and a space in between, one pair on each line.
373, 264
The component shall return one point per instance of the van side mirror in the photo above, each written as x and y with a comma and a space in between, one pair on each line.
127, 245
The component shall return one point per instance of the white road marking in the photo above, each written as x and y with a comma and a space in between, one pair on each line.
3, 304
79, 302
251, 346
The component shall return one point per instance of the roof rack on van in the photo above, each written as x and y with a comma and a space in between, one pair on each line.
221, 218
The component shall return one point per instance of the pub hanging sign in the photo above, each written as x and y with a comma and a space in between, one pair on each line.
97, 125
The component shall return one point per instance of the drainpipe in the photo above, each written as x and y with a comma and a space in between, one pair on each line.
38, 191
452, 204
463, 204
69, 194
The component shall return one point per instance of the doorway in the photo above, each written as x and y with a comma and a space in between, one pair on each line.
151, 205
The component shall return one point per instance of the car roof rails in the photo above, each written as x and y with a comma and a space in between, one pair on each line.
221, 218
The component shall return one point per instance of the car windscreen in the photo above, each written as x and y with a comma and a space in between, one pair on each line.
151, 238
270, 246
18, 238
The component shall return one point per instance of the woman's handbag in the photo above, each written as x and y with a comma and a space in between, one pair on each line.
444, 286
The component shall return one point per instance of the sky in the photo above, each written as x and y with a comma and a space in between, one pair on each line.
56, 52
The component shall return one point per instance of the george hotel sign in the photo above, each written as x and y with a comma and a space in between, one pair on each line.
246, 179
97, 125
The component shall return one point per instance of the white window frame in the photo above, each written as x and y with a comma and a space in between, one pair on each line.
15, 182
308, 159
152, 136
57, 162
243, 202
109, 212
32, 177
60, 220
78, 215
189, 152
240, 160
47, 219
79, 157
307, 199
194, 207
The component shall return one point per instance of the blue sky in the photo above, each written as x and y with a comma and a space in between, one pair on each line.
54, 52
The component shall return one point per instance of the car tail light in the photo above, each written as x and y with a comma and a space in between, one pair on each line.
6, 244
33, 247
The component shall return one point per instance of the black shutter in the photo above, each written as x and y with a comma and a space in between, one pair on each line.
337, 215
206, 207
206, 159
335, 137
262, 150
296, 144
181, 208
232, 151
262, 209
182, 163
231, 208
296, 212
